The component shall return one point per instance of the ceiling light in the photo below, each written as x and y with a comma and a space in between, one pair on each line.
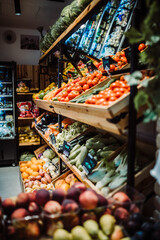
17, 7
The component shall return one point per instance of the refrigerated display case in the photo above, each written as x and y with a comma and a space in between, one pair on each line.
8, 119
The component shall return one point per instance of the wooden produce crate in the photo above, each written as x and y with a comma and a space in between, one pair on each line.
112, 118
20, 177
44, 104
40, 150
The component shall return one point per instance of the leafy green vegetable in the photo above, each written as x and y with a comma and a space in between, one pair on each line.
150, 34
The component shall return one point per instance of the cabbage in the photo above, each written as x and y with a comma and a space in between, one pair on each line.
49, 154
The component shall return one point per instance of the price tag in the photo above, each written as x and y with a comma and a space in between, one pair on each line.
66, 148
107, 61
89, 163
52, 138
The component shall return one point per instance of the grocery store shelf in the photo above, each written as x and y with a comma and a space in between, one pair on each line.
44, 104
6, 109
29, 144
5, 82
7, 138
25, 118
86, 11
140, 177
25, 93
74, 169
112, 118
6, 95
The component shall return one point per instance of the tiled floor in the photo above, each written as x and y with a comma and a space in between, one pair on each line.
9, 182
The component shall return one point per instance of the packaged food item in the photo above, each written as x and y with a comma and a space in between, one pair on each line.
35, 110
25, 109
22, 87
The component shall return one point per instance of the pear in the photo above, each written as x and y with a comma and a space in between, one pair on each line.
79, 233
61, 234
91, 227
107, 223
102, 236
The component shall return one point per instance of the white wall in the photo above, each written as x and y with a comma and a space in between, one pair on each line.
13, 52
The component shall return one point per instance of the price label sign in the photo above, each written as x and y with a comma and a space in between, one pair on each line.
107, 61
52, 138
66, 148
89, 163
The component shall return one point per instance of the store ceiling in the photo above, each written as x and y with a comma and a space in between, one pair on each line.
34, 13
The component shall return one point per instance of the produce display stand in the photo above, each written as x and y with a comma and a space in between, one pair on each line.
140, 177
115, 118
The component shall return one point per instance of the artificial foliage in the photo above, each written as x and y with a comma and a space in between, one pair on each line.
149, 33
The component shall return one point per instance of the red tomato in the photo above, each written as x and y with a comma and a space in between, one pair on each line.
89, 82
118, 94
85, 87
124, 59
116, 90
120, 63
83, 81
91, 76
141, 47
95, 73
78, 88
112, 67
99, 75
123, 54
65, 94
116, 68
69, 89
121, 90
92, 101
122, 78
95, 81
100, 101
113, 85
88, 101
116, 58
66, 99
112, 99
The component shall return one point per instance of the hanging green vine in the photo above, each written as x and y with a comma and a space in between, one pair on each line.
150, 34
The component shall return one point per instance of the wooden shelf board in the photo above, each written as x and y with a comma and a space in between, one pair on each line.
71, 26
26, 118
29, 144
25, 93
44, 104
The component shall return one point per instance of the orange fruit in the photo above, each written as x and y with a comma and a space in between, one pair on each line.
23, 169
28, 171
23, 164
25, 175
35, 174
29, 163
34, 167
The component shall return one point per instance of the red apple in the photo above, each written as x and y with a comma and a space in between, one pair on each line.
88, 199
52, 207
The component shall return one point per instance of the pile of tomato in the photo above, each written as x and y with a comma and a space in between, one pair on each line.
120, 58
109, 95
78, 86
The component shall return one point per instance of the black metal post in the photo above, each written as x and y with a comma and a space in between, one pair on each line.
132, 111
59, 84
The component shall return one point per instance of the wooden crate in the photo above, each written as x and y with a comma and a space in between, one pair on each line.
113, 118
44, 104
40, 150
20, 176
